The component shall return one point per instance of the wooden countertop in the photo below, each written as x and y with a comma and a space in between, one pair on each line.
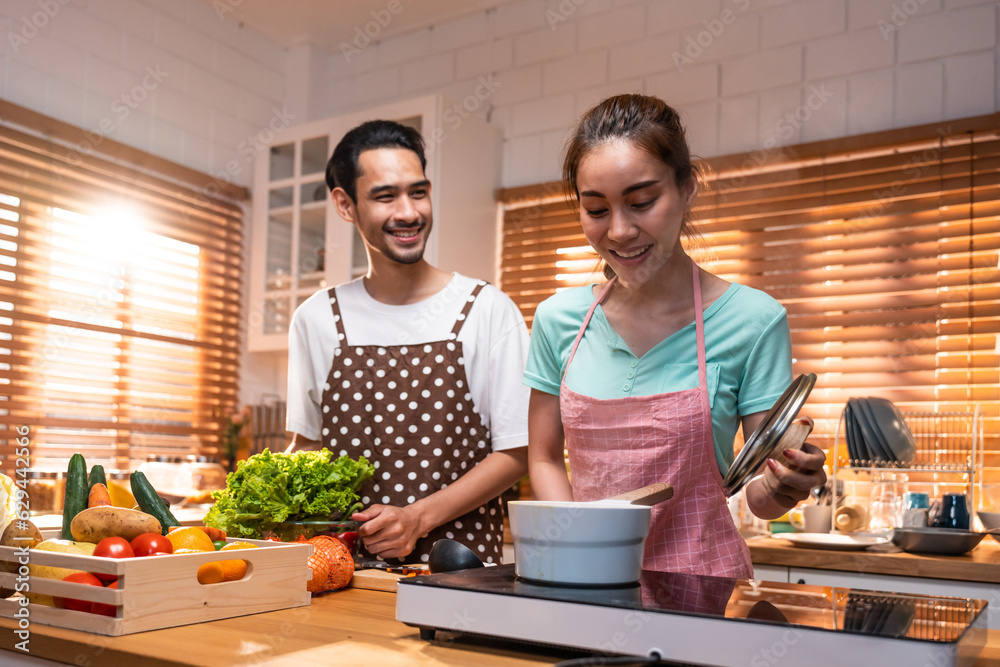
349, 627
982, 564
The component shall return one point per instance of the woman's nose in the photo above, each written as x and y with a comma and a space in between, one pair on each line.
620, 227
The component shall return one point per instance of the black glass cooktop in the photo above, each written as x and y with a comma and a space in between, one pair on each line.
897, 615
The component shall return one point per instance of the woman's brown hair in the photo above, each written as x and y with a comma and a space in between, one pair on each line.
647, 122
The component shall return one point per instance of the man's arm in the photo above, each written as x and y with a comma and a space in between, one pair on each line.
392, 532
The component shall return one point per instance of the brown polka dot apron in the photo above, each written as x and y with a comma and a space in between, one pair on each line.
408, 410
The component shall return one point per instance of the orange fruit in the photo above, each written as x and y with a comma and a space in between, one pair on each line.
339, 559
233, 570
190, 537
211, 573
238, 545
319, 567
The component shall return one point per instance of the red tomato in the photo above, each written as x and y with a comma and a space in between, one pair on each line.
78, 605
105, 609
112, 547
150, 544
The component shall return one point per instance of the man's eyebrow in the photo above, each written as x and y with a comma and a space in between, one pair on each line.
627, 191
379, 189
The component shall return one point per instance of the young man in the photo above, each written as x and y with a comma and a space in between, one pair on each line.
414, 368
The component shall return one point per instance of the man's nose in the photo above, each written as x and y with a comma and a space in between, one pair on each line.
405, 210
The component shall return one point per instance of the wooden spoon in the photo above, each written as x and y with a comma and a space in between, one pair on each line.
647, 495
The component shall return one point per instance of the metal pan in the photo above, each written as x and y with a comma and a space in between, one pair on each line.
764, 441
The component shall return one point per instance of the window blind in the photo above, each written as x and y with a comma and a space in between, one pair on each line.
884, 249
119, 300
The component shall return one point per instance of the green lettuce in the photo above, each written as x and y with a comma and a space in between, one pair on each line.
270, 488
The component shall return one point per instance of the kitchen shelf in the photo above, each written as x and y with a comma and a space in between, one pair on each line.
949, 454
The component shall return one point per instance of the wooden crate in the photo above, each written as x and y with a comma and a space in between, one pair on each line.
162, 591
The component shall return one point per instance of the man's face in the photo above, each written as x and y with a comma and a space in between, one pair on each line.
393, 211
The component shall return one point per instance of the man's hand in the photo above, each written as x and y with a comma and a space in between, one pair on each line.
387, 531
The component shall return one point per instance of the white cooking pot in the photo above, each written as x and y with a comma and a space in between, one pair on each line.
597, 543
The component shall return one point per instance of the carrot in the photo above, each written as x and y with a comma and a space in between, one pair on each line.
217, 534
99, 496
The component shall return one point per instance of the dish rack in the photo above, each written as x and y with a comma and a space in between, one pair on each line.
949, 454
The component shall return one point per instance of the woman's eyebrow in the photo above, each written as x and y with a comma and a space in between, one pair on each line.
627, 191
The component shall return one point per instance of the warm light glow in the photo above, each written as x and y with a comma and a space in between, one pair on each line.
576, 250
576, 264
574, 279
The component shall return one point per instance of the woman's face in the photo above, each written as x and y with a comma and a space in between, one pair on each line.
632, 210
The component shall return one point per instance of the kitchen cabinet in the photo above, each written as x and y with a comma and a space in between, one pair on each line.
299, 244
770, 573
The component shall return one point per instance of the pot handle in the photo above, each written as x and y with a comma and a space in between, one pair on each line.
647, 495
793, 438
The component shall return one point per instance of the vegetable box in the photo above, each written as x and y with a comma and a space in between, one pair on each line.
161, 591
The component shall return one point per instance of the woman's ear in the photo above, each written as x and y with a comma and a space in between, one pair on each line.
690, 193
344, 204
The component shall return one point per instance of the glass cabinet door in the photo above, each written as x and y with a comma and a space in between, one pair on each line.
296, 228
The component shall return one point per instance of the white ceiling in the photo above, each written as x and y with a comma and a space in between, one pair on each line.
327, 23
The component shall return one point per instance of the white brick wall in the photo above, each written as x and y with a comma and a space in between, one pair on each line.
735, 68
85, 62
741, 71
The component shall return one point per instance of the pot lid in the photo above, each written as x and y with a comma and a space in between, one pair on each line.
762, 442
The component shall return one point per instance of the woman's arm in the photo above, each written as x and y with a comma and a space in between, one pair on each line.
546, 443
781, 488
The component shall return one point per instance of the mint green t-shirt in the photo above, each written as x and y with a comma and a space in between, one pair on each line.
747, 348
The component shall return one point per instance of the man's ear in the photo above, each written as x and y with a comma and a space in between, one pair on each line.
344, 204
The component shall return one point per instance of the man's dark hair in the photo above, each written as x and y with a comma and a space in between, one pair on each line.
342, 170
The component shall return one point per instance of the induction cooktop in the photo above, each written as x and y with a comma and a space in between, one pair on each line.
700, 620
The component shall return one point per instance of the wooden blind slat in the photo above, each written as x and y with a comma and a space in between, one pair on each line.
115, 351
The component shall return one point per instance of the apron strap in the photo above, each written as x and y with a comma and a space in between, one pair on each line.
586, 321
699, 326
337, 318
460, 320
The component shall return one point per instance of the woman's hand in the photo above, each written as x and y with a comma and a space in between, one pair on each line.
781, 487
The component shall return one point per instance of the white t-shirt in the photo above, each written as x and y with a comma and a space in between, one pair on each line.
494, 343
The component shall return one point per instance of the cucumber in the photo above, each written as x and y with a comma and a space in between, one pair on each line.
75, 499
96, 477
150, 502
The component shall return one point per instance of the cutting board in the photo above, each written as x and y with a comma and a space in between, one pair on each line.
375, 580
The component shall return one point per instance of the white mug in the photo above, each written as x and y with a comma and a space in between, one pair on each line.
811, 518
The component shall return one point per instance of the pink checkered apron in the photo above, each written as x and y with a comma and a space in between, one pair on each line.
620, 444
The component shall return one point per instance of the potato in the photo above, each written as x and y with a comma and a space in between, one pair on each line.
17, 534
96, 523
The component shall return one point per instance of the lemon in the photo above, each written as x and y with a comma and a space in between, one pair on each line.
50, 572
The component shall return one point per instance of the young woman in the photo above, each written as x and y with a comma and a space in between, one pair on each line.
647, 377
